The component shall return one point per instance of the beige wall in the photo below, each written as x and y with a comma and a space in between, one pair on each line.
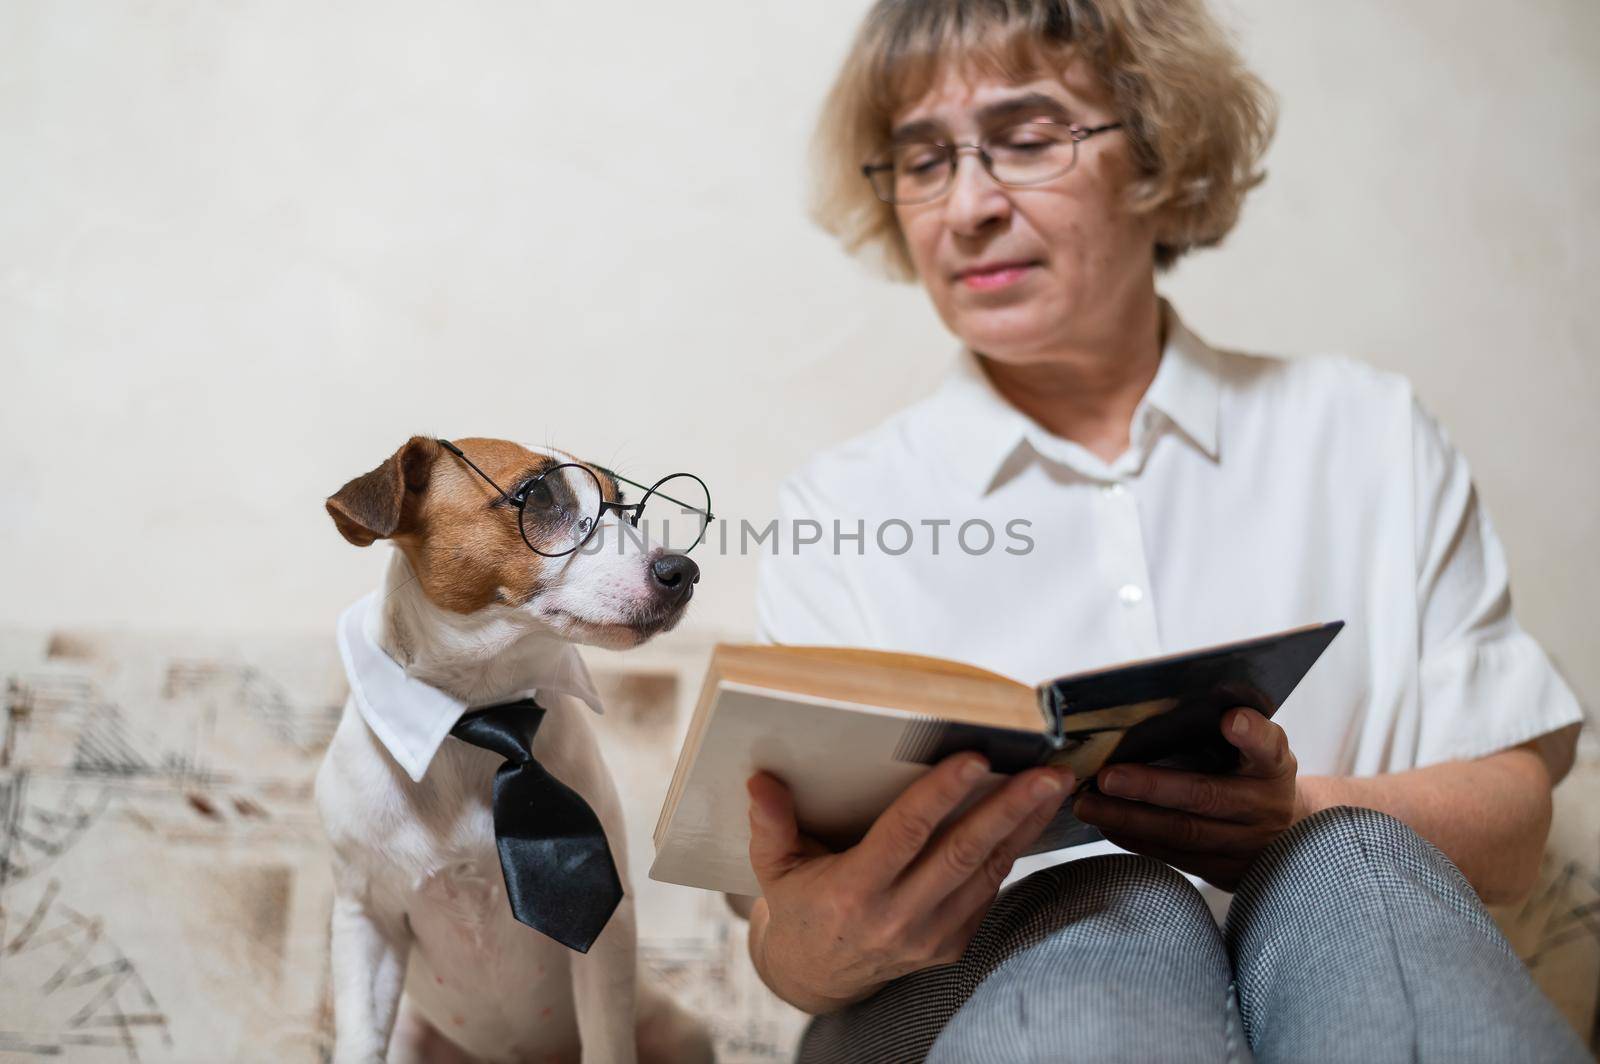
247, 249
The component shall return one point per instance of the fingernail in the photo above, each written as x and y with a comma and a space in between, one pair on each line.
1046, 786
973, 769
1118, 780
1241, 724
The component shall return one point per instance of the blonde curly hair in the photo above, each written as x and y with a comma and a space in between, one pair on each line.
1197, 121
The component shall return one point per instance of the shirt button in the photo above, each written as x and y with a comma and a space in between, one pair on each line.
1113, 489
1131, 594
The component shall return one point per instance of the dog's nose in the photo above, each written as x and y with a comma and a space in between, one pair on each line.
675, 573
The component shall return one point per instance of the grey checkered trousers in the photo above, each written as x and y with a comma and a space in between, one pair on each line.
1350, 939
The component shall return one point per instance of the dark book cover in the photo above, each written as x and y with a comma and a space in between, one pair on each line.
1191, 691
1167, 710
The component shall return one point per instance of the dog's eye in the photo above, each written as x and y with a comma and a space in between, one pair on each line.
534, 490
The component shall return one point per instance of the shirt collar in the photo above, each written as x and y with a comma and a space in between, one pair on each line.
1188, 384
412, 718
978, 428
982, 430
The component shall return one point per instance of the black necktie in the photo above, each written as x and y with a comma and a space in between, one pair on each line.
560, 878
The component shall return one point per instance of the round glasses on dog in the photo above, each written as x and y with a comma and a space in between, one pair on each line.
561, 507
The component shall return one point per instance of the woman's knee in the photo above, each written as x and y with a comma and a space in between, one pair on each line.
1339, 847
1353, 831
1140, 891
1349, 818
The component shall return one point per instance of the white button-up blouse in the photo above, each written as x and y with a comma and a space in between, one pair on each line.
1256, 494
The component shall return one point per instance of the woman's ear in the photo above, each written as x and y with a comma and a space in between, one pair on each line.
375, 505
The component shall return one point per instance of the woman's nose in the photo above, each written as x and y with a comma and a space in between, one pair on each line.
976, 201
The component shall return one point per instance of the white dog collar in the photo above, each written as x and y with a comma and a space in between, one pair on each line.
412, 718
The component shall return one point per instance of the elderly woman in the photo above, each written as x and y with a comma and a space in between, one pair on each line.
1034, 164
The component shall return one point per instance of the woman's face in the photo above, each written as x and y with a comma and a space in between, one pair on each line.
1021, 273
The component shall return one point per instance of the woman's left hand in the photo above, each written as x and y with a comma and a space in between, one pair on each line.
1210, 825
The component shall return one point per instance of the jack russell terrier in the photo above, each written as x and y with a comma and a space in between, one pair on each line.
481, 605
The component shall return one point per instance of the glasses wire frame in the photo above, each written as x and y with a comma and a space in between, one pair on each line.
633, 511
883, 163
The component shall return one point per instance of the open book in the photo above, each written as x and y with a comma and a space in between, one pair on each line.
848, 730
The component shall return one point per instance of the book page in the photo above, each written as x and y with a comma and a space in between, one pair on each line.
844, 763
929, 686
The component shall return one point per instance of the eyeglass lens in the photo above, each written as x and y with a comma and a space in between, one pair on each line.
1029, 153
677, 510
560, 509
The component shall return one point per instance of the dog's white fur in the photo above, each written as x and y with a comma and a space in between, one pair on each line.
421, 904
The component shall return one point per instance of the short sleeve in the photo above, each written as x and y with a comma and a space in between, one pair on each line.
802, 595
1484, 684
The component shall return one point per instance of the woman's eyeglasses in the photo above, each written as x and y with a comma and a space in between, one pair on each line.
1027, 153
559, 509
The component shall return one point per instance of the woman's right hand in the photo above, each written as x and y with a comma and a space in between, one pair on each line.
831, 928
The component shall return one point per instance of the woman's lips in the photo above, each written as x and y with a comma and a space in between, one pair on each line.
989, 278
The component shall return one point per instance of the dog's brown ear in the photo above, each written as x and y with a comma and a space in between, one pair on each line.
374, 505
